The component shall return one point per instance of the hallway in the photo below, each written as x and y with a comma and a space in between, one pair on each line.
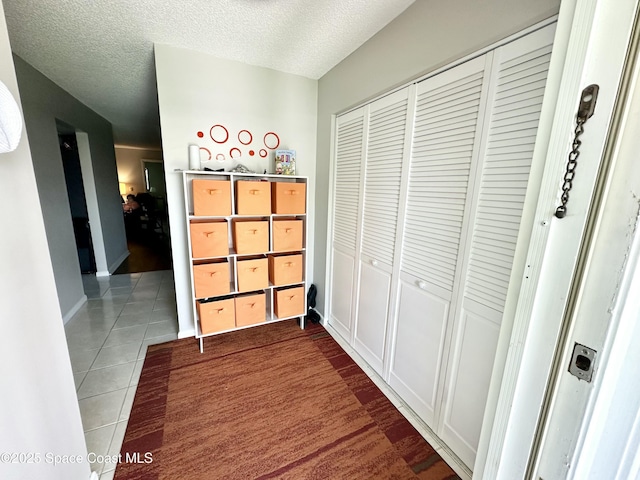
107, 342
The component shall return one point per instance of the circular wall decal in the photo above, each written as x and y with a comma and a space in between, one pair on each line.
251, 153
271, 139
206, 150
219, 134
234, 149
245, 137
263, 153
200, 134
220, 157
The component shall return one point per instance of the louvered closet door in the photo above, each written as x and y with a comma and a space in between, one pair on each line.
517, 87
349, 145
445, 142
385, 150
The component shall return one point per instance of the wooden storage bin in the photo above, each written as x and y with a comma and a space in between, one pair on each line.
287, 235
253, 274
289, 302
251, 236
216, 316
211, 279
211, 197
251, 309
285, 269
253, 197
288, 198
209, 239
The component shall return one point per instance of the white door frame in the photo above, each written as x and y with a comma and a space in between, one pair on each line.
594, 34
95, 225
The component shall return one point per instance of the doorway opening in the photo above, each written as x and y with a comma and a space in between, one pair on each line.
147, 227
77, 197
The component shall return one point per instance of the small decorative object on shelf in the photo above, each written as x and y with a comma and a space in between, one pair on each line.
194, 157
285, 162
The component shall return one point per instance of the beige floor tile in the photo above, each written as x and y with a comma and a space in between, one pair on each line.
163, 315
102, 409
161, 329
98, 442
138, 307
106, 380
117, 355
116, 445
135, 376
78, 378
108, 475
81, 360
128, 403
133, 320
124, 335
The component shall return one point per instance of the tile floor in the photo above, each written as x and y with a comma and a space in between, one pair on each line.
107, 340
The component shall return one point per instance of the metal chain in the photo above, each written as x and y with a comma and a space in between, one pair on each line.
569, 175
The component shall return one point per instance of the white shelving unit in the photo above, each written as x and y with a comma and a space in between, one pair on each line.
232, 257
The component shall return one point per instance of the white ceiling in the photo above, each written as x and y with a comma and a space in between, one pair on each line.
101, 51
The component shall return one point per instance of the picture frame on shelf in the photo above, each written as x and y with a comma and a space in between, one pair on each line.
285, 162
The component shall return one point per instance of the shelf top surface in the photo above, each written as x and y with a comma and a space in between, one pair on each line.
237, 174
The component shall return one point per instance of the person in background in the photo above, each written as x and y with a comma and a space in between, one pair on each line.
131, 204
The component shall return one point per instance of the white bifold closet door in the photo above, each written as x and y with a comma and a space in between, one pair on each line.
384, 155
429, 186
345, 241
444, 149
517, 85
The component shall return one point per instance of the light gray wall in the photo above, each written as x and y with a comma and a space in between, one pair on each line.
39, 411
44, 102
426, 36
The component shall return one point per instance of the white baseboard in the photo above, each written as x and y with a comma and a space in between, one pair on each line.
114, 266
323, 321
186, 334
67, 316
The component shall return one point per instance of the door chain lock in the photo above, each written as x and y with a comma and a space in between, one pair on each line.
585, 112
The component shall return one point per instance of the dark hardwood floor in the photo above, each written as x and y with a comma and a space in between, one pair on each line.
147, 254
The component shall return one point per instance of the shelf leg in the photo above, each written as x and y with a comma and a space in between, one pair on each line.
302, 325
201, 345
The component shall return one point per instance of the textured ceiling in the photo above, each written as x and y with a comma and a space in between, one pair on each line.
101, 51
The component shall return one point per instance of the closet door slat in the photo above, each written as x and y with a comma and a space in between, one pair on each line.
349, 147
383, 172
442, 149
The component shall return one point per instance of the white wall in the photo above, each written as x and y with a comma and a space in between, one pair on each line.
43, 102
428, 35
39, 411
197, 91
129, 164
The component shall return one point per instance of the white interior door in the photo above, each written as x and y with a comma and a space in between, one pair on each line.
446, 137
349, 154
385, 150
518, 81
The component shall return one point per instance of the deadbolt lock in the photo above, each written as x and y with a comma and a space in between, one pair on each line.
583, 362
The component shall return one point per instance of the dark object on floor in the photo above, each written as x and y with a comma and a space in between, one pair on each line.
312, 315
311, 296
268, 402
